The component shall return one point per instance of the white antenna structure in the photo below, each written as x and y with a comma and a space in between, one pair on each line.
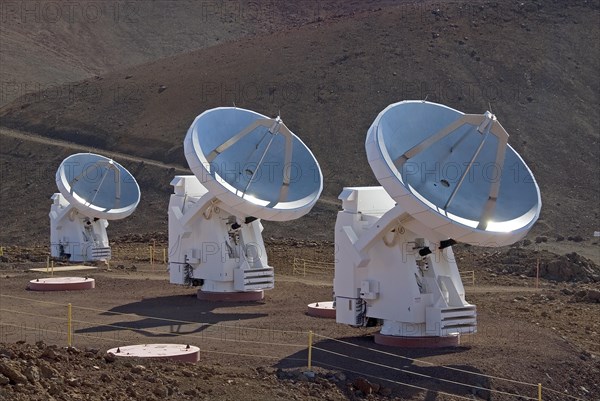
246, 167
92, 190
446, 177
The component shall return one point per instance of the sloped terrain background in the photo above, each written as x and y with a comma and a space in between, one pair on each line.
534, 64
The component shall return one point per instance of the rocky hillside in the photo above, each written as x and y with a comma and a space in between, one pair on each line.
533, 63
48, 373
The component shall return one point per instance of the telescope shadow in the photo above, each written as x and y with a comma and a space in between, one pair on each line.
179, 314
392, 368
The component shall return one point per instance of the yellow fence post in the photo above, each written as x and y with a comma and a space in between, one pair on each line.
151, 255
153, 250
539, 391
165, 256
52, 267
537, 273
310, 341
69, 329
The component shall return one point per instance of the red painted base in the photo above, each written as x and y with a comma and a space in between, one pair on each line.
251, 296
62, 284
417, 342
321, 309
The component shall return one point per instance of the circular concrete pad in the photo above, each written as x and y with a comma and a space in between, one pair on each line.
249, 296
62, 284
417, 342
321, 309
176, 352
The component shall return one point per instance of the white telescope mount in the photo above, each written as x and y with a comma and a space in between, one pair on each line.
90, 194
387, 273
394, 262
242, 163
212, 246
74, 236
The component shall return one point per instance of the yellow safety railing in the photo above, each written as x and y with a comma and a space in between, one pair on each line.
303, 267
153, 252
310, 345
49, 266
467, 276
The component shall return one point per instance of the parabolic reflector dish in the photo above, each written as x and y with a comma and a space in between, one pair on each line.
454, 172
98, 186
253, 163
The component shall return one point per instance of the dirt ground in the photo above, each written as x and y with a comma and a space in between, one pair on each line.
128, 81
258, 351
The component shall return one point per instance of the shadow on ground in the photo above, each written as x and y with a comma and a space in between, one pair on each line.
173, 316
394, 368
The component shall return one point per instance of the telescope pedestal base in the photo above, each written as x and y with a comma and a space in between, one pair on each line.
417, 342
251, 296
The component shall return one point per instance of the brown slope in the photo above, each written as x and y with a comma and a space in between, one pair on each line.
535, 64
47, 43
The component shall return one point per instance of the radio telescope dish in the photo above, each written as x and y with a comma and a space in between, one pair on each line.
446, 177
454, 172
247, 167
253, 163
98, 186
93, 189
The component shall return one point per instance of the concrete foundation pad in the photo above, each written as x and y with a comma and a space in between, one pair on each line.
62, 284
176, 352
